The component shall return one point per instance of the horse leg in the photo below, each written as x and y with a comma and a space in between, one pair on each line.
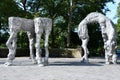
114, 58
85, 49
11, 44
47, 33
107, 58
107, 55
38, 50
31, 46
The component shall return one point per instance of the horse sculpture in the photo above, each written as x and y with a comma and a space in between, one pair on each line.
17, 24
108, 32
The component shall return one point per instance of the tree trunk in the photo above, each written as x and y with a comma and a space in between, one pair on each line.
52, 36
69, 24
0, 24
24, 4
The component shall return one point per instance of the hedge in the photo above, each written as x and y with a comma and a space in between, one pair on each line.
55, 52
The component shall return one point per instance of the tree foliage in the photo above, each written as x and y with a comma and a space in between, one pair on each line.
118, 25
7, 8
65, 18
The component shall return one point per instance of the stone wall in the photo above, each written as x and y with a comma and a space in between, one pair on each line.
55, 52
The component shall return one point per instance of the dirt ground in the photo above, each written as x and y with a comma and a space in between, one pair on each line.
60, 69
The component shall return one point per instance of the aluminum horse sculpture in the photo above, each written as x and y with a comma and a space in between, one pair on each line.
108, 32
17, 24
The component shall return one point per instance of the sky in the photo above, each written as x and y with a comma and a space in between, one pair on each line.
113, 10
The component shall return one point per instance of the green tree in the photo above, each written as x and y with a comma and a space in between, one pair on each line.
65, 17
7, 8
53, 9
118, 25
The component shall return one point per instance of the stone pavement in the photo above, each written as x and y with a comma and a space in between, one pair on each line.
60, 69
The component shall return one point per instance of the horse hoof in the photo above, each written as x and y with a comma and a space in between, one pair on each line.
107, 63
40, 65
81, 61
46, 63
114, 62
8, 64
84, 61
34, 62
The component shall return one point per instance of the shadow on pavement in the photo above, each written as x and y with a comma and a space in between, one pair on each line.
75, 64
2, 62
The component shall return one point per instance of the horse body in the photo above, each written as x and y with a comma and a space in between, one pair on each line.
108, 32
24, 24
32, 27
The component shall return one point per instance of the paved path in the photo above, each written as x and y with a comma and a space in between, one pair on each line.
60, 69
